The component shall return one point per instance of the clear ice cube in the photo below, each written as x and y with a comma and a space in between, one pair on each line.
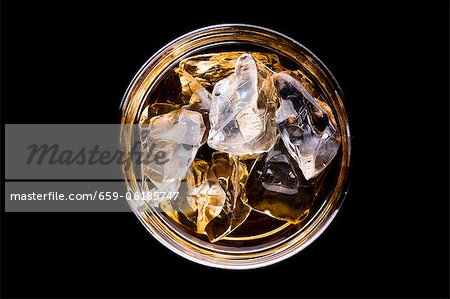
307, 126
172, 139
242, 110
276, 186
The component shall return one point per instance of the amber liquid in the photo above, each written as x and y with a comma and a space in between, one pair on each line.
258, 228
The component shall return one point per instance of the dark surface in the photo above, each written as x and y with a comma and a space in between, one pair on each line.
71, 63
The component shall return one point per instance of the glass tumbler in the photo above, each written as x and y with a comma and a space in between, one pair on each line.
244, 250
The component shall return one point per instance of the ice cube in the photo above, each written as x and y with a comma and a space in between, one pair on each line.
276, 186
205, 197
170, 143
232, 175
200, 98
215, 197
307, 126
242, 110
208, 69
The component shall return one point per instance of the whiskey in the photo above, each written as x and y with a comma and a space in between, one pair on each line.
253, 144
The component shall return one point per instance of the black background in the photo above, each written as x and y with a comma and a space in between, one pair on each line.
71, 62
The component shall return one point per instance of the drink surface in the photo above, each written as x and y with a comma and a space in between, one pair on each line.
252, 147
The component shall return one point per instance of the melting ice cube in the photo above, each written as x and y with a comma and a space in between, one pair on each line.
242, 110
306, 125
